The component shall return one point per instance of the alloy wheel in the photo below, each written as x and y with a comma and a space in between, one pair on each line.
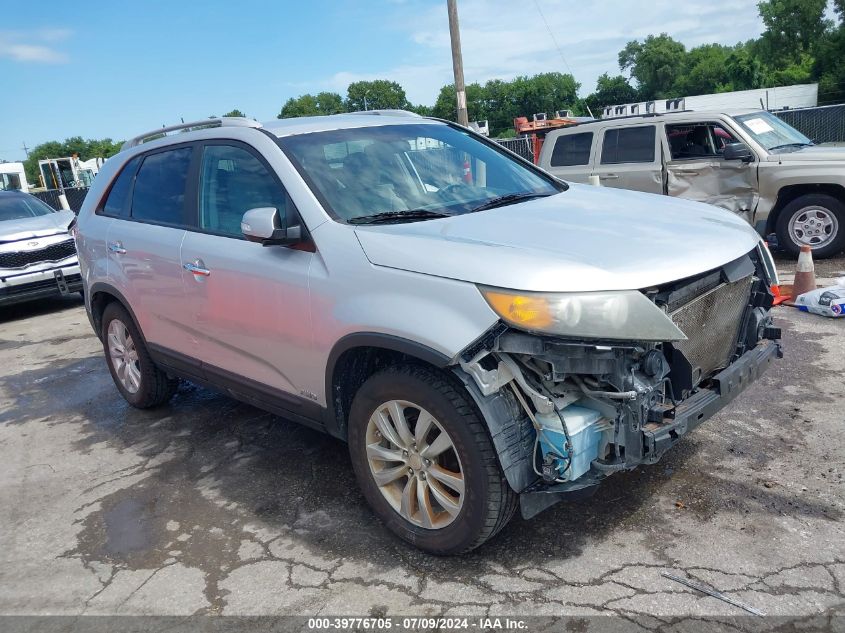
124, 356
415, 465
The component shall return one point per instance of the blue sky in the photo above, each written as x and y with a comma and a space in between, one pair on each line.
113, 69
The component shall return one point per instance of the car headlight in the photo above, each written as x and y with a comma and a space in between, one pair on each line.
619, 314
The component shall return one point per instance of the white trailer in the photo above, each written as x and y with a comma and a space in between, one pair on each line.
796, 96
13, 177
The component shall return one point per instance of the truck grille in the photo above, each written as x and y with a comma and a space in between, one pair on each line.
52, 253
711, 323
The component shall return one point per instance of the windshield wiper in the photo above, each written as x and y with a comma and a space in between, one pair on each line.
397, 216
785, 145
508, 198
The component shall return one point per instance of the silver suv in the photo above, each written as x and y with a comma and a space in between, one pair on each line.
749, 162
481, 334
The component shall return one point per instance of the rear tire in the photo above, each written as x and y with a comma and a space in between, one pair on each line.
473, 511
816, 220
141, 383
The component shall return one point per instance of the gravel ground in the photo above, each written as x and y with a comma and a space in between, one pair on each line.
209, 506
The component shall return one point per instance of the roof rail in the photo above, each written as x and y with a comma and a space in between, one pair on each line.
226, 121
388, 112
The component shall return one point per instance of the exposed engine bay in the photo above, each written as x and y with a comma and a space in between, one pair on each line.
566, 413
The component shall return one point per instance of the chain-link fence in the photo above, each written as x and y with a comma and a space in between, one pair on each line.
825, 124
75, 197
521, 146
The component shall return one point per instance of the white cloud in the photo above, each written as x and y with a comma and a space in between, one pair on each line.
501, 40
34, 46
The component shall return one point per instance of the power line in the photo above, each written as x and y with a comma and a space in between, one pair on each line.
557, 46
554, 39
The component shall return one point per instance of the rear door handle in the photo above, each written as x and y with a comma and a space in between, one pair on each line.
197, 268
117, 248
608, 176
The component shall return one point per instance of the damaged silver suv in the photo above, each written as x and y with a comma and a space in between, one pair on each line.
483, 335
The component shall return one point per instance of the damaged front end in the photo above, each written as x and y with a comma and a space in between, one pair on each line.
568, 406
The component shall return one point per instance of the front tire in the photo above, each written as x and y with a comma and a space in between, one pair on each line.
139, 381
816, 220
425, 461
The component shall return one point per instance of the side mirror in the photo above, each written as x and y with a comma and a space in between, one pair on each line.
268, 227
738, 151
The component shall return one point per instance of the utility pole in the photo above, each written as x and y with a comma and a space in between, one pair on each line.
457, 63
25, 149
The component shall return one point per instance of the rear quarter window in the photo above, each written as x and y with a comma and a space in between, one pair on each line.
628, 145
116, 203
572, 149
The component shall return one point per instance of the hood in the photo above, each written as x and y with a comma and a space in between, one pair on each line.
39, 226
586, 238
832, 153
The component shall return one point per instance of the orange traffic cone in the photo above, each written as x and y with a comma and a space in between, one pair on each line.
805, 273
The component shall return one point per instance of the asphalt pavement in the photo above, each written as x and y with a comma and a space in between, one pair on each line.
210, 506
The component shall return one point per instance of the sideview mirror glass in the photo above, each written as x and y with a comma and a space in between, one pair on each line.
738, 151
268, 227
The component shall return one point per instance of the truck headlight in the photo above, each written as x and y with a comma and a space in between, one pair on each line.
618, 314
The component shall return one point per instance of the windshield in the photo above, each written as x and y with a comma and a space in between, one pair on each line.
770, 132
362, 172
18, 207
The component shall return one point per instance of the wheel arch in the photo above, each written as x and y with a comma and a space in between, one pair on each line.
101, 295
356, 357
788, 193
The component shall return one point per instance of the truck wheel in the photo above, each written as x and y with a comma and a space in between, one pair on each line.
816, 220
425, 461
139, 381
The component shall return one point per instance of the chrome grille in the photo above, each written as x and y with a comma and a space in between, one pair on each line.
711, 323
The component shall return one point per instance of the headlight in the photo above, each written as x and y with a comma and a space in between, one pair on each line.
620, 314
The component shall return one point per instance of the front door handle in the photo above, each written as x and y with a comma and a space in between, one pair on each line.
197, 268
608, 176
688, 172
117, 248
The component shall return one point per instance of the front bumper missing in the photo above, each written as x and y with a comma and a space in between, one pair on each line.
659, 438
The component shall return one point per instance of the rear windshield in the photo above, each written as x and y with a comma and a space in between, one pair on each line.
20, 207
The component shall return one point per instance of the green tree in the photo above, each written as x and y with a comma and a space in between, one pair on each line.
745, 70
85, 149
235, 112
379, 94
499, 102
792, 28
446, 106
655, 63
422, 110
705, 71
611, 91
312, 105
829, 65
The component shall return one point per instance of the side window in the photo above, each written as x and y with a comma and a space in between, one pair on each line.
233, 181
117, 202
159, 193
572, 149
628, 145
696, 140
